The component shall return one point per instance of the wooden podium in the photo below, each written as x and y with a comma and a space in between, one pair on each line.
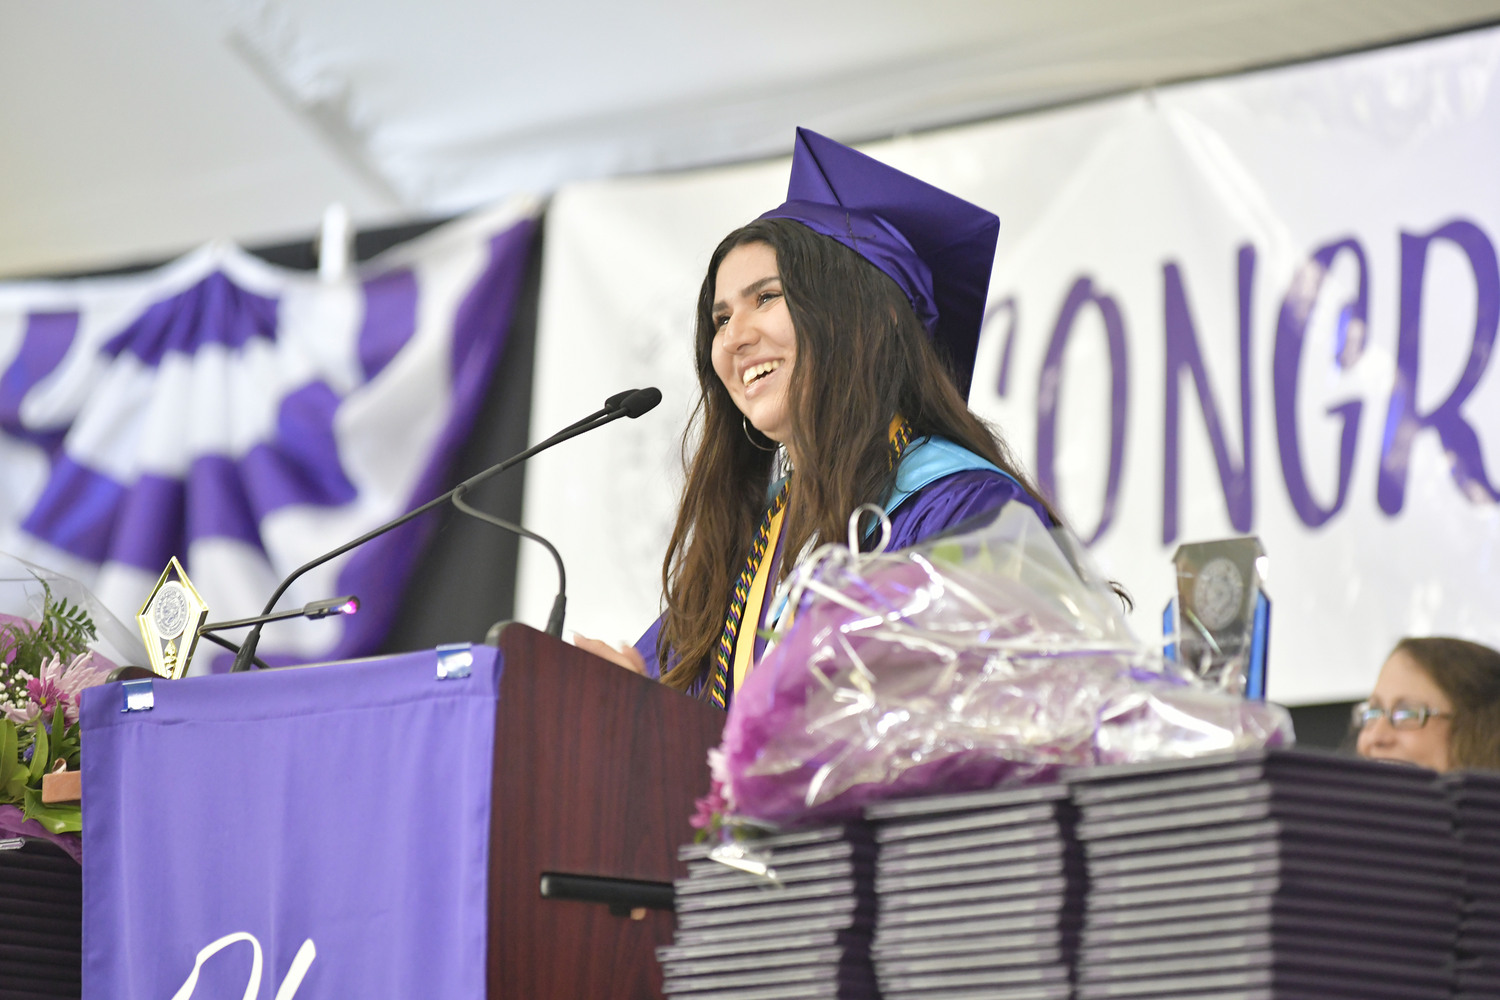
596, 772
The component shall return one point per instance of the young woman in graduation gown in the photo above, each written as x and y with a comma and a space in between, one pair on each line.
834, 349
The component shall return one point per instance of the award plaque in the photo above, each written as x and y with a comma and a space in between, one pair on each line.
170, 620
1217, 624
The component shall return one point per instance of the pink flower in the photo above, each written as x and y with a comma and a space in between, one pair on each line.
718, 772
714, 807
710, 809
45, 694
55, 685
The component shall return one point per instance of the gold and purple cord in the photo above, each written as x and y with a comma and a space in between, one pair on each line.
718, 692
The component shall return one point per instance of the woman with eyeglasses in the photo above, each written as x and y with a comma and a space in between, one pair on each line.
1436, 703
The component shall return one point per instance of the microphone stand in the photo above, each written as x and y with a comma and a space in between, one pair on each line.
631, 403
560, 602
234, 647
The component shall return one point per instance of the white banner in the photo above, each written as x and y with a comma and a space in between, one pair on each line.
1262, 305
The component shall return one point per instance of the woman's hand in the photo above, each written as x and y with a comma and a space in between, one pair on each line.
629, 657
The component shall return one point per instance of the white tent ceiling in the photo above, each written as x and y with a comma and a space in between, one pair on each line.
136, 130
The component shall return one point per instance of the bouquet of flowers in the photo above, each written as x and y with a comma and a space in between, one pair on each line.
44, 666
992, 657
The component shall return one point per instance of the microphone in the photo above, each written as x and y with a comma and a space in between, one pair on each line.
347, 605
632, 403
640, 401
314, 610
635, 401
611, 405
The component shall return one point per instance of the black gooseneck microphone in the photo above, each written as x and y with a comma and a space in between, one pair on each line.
346, 605
630, 403
560, 602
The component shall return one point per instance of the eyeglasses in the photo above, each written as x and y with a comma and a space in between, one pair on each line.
1400, 715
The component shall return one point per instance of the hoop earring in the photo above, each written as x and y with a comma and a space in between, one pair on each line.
745, 423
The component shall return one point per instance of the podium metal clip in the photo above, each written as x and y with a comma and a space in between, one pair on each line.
139, 696
454, 661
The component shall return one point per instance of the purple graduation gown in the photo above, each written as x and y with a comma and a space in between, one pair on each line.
930, 510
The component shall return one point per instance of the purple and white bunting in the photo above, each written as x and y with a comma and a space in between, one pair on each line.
245, 418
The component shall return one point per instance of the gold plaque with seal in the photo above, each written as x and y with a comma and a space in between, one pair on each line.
170, 620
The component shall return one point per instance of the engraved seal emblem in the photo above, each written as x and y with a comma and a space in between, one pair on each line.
170, 610
1218, 593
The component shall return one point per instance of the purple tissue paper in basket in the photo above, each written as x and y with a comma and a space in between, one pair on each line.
993, 657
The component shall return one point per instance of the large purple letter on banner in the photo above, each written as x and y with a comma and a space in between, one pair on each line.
1291, 330
1049, 388
1183, 353
322, 831
1403, 422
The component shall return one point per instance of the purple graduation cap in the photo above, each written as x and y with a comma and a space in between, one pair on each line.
937, 248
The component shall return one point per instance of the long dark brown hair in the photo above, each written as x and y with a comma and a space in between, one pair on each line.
1469, 674
862, 357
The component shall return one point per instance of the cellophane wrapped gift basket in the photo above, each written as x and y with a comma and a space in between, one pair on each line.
990, 657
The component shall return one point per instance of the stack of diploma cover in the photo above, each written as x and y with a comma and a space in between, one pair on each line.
979, 895
785, 918
1476, 801
1272, 875
41, 914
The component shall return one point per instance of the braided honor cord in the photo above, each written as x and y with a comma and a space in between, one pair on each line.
718, 691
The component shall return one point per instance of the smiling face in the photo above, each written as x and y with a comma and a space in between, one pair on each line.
754, 346
1403, 681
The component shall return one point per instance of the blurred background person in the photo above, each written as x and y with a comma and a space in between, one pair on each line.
1436, 704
